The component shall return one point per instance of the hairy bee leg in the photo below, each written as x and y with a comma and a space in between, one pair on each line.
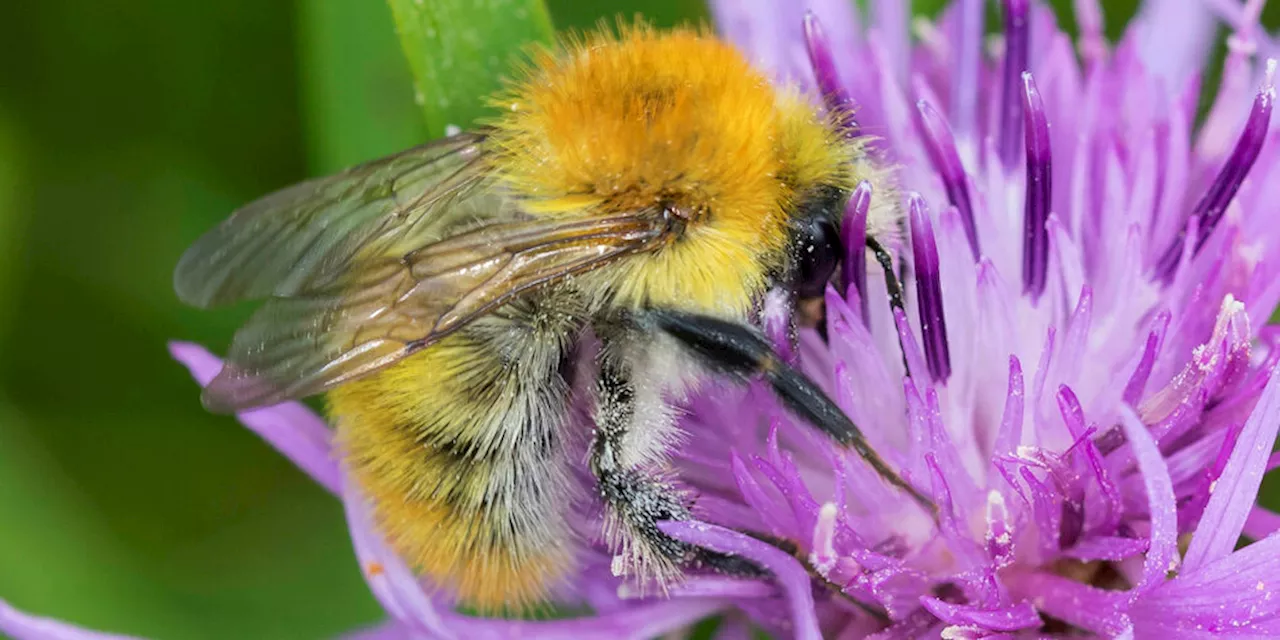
733, 348
639, 500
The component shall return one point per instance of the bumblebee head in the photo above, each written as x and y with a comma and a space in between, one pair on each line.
819, 166
816, 246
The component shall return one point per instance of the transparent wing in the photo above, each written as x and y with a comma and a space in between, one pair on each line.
302, 238
384, 310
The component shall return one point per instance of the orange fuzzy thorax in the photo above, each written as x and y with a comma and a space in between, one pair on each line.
652, 119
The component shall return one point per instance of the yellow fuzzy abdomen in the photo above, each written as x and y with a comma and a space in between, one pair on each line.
461, 450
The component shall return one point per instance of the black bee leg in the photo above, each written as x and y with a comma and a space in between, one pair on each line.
638, 499
740, 351
891, 281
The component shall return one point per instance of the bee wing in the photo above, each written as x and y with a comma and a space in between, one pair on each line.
384, 310
303, 237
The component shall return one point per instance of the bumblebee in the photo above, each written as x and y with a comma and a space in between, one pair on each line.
645, 187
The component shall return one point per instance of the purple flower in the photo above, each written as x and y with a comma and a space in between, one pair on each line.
1063, 214
1080, 377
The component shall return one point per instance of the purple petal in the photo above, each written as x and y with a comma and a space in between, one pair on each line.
1162, 557
722, 587
1100, 611
1174, 37
915, 360
780, 521
1110, 494
290, 427
1010, 433
1213, 205
1072, 414
889, 20
390, 630
1092, 43
1262, 522
948, 521
391, 581
853, 231
933, 321
1236, 593
834, 93
1035, 237
1019, 616
790, 575
1047, 505
1016, 43
20, 625
753, 26
1236, 490
648, 620
967, 65
1178, 252
1107, 548
941, 147
1138, 381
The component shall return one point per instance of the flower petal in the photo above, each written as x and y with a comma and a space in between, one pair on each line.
1107, 548
1162, 556
1261, 523
1019, 616
790, 575
1233, 594
20, 625
1174, 37
1236, 490
290, 427
649, 620
390, 630
1097, 610
390, 580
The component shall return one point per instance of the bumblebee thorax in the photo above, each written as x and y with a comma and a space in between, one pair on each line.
675, 121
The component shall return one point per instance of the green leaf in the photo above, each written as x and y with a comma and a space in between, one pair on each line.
459, 50
584, 15
357, 95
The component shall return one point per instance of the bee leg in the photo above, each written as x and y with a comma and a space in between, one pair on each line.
738, 350
638, 499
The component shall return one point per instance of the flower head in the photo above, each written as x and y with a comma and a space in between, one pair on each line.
1066, 354
1076, 377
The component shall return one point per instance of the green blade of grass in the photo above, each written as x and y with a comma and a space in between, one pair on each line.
458, 51
584, 15
357, 95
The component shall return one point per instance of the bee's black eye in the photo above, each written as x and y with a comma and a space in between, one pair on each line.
818, 251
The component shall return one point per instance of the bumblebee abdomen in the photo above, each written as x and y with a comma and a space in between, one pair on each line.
462, 450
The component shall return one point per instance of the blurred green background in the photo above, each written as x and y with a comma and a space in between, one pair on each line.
126, 129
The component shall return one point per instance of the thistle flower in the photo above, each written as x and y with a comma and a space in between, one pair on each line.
1062, 216
1079, 376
